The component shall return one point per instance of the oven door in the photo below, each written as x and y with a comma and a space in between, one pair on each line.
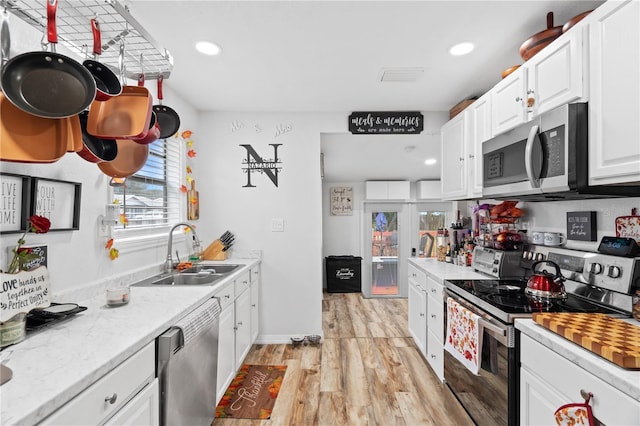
492, 397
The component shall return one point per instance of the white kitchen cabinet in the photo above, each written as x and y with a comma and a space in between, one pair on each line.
115, 394
553, 77
435, 327
387, 190
143, 409
418, 307
255, 302
549, 381
453, 171
239, 325
479, 128
508, 107
614, 105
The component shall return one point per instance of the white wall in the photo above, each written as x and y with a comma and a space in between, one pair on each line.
292, 260
341, 234
78, 259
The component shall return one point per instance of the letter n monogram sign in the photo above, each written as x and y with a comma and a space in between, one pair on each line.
255, 163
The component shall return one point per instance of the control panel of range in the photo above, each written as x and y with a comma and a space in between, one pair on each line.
605, 271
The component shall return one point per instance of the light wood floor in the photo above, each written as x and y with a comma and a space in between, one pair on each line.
367, 371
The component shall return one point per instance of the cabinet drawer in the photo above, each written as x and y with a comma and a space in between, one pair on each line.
92, 405
610, 405
417, 275
242, 283
435, 355
435, 317
226, 295
434, 289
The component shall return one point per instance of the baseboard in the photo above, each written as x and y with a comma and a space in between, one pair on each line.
277, 339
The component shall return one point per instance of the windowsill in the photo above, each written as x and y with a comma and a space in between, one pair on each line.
133, 240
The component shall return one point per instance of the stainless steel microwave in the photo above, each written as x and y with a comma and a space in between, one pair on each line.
545, 159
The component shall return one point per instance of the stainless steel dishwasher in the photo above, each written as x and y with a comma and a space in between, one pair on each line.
187, 367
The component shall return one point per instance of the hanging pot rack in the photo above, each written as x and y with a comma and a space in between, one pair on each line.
116, 24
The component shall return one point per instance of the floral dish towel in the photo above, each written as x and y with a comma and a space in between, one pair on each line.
464, 336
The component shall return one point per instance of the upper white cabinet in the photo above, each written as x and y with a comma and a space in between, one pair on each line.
614, 106
551, 78
388, 190
453, 171
462, 137
428, 190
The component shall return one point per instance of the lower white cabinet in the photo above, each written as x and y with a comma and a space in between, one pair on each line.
239, 325
127, 393
417, 301
435, 328
549, 381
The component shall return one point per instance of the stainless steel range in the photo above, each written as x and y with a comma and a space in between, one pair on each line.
594, 283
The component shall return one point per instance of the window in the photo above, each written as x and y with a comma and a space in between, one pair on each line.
151, 197
431, 217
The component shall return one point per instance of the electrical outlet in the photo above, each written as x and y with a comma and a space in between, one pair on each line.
277, 225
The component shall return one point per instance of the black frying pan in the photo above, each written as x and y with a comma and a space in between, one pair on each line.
107, 82
168, 119
94, 149
48, 84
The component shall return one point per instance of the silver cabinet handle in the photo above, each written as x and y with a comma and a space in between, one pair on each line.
227, 296
111, 399
253, 305
433, 315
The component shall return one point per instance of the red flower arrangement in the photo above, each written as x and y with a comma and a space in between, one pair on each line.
37, 224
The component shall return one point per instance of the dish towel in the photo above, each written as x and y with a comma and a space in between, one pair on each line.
464, 336
579, 413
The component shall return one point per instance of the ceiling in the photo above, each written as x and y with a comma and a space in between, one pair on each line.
328, 56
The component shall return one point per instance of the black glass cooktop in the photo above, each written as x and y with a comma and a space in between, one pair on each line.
506, 299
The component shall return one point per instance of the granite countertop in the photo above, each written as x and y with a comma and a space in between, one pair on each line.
441, 271
53, 365
627, 381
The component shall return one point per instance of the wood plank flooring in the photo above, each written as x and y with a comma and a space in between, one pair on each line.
367, 371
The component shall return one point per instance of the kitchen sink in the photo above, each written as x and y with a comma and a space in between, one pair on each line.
181, 278
218, 269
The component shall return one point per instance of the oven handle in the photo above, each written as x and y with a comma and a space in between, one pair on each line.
501, 332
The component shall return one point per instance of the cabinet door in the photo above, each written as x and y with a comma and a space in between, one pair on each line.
143, 409
226, 351
418, 316
555, 74
243, 327
538, 401
255, 310
376, 190
614, 106
479, 131
453, 176
507, 102
398, 190
435, 355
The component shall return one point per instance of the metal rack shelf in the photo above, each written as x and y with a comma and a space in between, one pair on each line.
116, 23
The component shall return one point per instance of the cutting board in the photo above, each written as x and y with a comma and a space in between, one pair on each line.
611, 338
628, 226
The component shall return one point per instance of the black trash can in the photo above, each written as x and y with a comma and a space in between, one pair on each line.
343, 274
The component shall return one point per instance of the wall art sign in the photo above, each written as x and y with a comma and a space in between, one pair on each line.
581, 226
14, 202
386, 122
341, 201
57, 200
24, 291
270, 167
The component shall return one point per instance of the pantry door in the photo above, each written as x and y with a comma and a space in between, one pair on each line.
383, 236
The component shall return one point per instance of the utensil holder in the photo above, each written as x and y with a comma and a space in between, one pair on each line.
214, 251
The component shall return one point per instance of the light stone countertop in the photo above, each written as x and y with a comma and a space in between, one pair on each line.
53, 365
441, 271
626, 381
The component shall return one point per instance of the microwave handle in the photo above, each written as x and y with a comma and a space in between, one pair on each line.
533, 155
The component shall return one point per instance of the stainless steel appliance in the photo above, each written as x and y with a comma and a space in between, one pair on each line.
497, 263
188, 367
545, 159
594, 283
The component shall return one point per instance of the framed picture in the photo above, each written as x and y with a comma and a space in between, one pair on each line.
57, 200
341, 201
14, 202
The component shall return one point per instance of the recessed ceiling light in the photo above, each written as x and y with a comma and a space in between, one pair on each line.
430, 161
208, 48
461, 48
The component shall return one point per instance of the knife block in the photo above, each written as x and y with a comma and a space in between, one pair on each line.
214, 251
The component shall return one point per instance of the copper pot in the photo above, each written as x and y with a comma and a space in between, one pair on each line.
540, 40
544, 284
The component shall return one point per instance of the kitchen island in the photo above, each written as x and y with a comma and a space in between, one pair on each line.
55, 364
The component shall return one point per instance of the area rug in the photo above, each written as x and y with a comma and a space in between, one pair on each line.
252, 393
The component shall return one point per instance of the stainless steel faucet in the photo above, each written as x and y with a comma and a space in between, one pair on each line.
168, 266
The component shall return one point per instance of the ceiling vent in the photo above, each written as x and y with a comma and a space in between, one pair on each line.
401, 74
